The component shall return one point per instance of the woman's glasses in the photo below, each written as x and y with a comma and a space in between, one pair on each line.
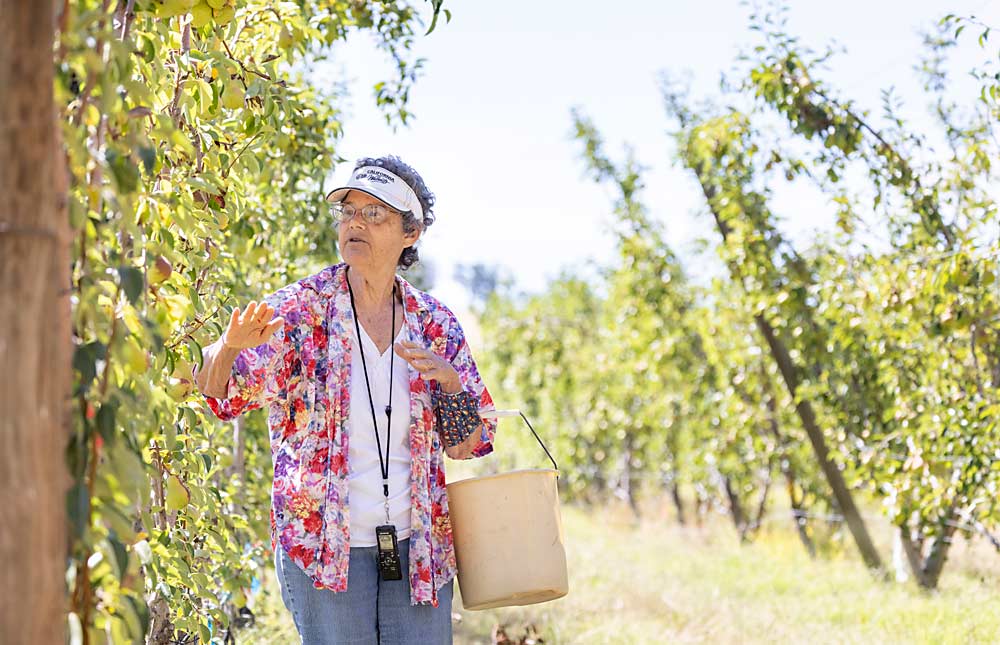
373, 213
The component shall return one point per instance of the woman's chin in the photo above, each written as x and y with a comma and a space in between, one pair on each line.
355, 253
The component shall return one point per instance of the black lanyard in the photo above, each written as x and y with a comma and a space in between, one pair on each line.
383, 465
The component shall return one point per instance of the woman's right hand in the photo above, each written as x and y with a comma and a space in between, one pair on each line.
251, 329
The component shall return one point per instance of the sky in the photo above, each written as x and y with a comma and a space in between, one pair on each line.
492, 133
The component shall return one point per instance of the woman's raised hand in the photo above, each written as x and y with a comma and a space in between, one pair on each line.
253, 328
430, 365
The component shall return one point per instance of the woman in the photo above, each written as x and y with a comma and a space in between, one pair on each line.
359, 518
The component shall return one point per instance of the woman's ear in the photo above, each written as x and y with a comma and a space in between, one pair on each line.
410, 239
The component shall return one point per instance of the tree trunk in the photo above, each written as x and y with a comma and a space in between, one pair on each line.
785, 463
927, 570
34, 332
626, 488
755, 523
161, 627
675, 493
905, 557
934, 564
807, 415
798, 513
735, 508
833, 475
913, 555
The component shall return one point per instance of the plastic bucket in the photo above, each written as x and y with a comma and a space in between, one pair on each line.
508, 535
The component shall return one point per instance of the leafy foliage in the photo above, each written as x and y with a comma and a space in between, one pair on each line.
890, 325
198, 154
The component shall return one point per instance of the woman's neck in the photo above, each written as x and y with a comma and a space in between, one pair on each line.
372, 289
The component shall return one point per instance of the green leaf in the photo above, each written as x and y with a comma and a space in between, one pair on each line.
170, 436
123, 169
142, 612
105, 420
197, 354
121, 555
148, 157
85, 359
201, 184
436, 4
78, 507
128, 466
132, 282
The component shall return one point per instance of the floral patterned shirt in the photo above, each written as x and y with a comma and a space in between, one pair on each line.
302, 376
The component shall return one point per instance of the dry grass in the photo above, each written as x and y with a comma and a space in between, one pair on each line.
655, 582
651, 582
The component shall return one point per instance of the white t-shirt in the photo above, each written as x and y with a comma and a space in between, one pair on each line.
367, 501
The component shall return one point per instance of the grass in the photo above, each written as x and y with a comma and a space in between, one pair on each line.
655, 582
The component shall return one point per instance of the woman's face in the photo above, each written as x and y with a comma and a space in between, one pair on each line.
372, 246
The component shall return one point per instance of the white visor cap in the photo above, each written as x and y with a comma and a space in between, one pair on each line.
384, 185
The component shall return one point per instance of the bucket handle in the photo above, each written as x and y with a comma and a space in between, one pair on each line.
496, 414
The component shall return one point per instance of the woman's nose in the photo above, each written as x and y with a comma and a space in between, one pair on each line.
355, 217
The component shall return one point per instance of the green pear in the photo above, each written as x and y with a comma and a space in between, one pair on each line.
224, 15
180, 390
233, 96
160, 270
177, 496
135, 357
201, 15
216, 4
170, 8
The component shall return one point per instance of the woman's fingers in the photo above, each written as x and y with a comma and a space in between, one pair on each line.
402, 349
264, 313
408, 355
430, 365
412, 348
421, 359
255, 315
273, 327
249, 312
251, 326
415, 356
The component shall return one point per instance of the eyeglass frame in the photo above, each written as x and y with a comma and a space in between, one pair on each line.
340, 217
381, 205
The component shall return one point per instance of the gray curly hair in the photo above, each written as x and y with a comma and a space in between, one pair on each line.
398, 167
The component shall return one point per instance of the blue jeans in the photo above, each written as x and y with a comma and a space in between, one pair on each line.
372, 611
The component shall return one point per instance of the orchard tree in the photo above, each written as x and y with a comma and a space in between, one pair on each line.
35, 345
929, 361
542, 351
703, 404
197, 150
890, 354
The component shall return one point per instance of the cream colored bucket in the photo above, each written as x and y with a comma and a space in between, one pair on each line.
508, 535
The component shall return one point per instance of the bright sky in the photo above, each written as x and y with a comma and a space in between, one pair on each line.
492, 134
